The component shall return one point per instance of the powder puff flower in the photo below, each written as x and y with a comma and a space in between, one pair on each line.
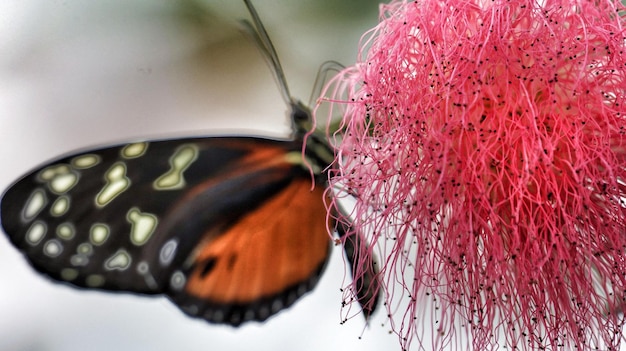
485, 144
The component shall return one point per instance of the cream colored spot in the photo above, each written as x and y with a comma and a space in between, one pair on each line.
68, 274
60, 178
53, 248
85, 249
35, 233
119, 261
63, 182
99, 233
34, 204
85, 161
94, 280
66, 231
142, 224
49, 173
184, 156
60, 206
116, 183
134, 150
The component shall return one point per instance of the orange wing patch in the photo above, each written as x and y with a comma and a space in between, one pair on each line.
273, 248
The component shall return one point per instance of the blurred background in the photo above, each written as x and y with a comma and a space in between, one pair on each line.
75, 74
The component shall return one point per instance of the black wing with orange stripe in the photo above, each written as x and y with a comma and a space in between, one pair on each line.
227, 227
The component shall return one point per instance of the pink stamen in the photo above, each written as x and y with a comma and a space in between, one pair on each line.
485, 144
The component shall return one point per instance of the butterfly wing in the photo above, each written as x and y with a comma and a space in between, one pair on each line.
227, 227
263, 263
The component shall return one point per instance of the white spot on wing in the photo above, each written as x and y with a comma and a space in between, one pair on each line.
182, 158
142, 224
49, 173
119, 261
168, 251
34, 204
85, 249
134, 150
85, 161
36, 233
116, 183
52, 248
66, 231
99, 233
60, 206
63, 182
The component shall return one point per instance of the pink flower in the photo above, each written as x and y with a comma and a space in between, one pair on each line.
484, 142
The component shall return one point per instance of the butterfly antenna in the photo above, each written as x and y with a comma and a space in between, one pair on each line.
262, 39
322, 77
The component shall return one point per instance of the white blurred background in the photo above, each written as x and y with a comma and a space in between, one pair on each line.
75, 74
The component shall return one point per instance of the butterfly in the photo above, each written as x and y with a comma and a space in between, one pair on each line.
229, 228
